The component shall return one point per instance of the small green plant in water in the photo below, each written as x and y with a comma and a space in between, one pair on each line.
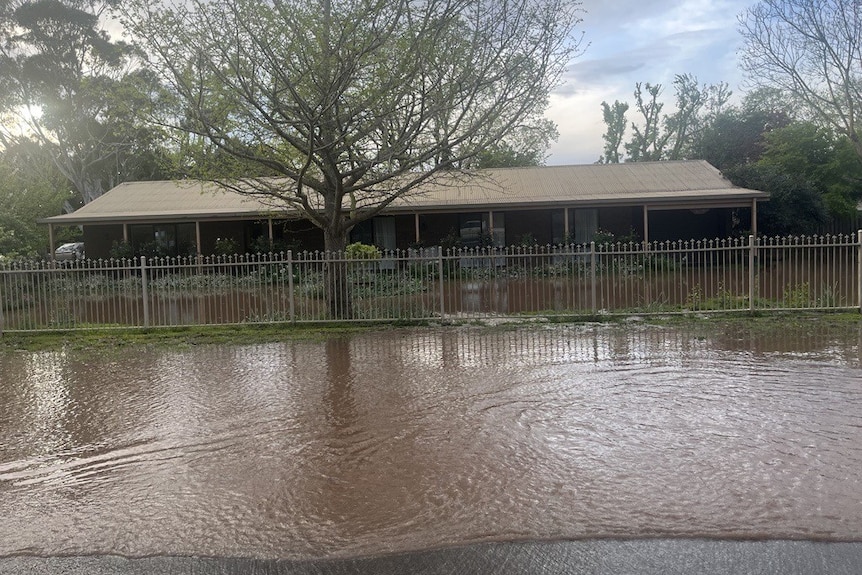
797, 295
694, 299
829, 296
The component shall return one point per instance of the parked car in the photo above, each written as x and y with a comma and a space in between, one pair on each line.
69, 252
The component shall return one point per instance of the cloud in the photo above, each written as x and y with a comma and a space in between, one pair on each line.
639, 41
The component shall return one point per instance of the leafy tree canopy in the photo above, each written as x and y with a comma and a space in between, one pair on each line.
663, 136
816, 155
810, 50
352, 103
30, 189
77, 90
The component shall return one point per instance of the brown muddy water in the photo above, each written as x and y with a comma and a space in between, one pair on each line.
421, 438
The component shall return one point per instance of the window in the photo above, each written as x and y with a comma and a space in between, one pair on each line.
585, 225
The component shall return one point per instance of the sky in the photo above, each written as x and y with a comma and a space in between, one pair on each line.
630, 41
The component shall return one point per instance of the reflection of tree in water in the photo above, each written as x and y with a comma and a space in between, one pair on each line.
339, 400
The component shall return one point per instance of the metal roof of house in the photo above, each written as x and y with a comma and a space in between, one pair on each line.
657, 184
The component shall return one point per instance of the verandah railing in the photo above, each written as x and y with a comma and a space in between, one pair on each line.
823, 272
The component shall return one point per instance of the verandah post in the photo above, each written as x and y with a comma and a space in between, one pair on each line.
145, 291
751, 290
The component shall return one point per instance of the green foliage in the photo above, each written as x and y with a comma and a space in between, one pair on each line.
526, 147
811, 174
526, 241
736, 136
262, 245
605, 238
29, 190
615, 122
360, 251
663, 136
828, 163
797, 295
811, 51
225, 247
451, 241
354, 103
794, 207
56, 58
121, 250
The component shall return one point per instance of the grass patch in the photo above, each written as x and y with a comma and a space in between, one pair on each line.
107, 339
184, 337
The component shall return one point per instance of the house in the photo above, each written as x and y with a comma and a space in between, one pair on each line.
546, 205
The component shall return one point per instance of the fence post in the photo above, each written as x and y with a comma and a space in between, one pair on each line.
440, 282
593, 277
290, 296
2, 318
859, 269
145, 291
751, 290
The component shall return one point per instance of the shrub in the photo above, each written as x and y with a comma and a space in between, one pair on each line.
225, 247
360, 251
121, 250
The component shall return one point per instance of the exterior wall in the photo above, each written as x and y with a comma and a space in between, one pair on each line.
534, 223
433, 228
298, 235
211, 231
99, 239
623, 221
667, 225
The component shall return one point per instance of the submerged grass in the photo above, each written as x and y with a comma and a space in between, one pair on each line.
187, 337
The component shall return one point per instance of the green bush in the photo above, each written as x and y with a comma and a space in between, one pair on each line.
360, 251
225, 247
121, 250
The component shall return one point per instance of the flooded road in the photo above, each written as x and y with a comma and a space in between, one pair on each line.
417, 439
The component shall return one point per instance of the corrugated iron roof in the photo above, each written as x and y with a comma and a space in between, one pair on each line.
653, 183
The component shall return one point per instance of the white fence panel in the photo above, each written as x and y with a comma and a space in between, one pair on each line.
822, 272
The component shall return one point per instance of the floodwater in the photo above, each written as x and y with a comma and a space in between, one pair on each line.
423, 438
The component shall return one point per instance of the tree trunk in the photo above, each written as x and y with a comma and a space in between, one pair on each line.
338, 298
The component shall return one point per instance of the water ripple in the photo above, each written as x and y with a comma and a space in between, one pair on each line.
417, 439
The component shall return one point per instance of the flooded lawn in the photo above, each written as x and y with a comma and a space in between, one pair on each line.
420, 438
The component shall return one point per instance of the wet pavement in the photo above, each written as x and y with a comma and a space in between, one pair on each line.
657, 449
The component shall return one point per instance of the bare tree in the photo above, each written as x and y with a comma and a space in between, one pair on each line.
811, 49
351, 103
648, 142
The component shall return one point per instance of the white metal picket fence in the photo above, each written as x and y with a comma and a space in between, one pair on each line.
823, 272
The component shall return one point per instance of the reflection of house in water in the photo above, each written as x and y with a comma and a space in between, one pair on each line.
339, 400
510, 206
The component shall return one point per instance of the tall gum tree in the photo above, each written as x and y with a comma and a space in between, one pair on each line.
66, 83
811, 49
342, 106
